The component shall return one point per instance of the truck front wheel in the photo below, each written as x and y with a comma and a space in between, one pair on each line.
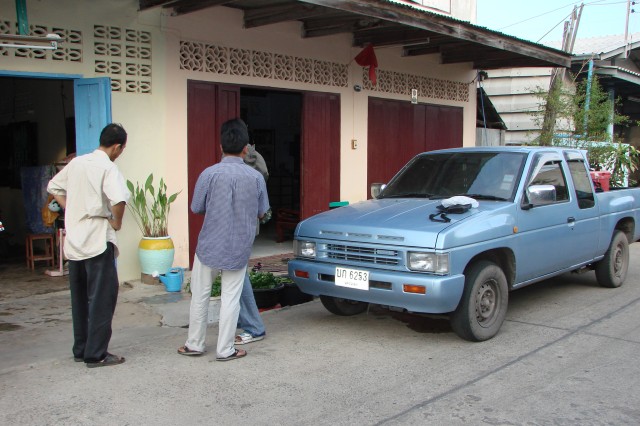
343, 307
612, 270
483, 306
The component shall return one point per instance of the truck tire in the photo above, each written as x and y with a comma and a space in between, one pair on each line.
612, 270
343, 307
483, 305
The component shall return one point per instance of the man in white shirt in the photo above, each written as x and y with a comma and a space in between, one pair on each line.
94, 195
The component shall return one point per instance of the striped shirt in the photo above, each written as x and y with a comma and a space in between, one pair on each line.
231, 195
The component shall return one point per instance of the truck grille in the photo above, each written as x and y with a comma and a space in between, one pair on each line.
375, 256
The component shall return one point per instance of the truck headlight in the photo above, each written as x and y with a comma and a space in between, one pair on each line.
304, 248
428, 262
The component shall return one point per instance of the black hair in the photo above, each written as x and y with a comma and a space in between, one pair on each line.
113, 134
234, 136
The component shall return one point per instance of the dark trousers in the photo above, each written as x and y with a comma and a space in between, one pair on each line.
94, 293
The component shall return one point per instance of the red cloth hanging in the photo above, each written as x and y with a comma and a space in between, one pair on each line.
367, 58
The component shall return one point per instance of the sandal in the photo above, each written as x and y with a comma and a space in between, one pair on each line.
238, 353
244, 338
184, 350
109, 360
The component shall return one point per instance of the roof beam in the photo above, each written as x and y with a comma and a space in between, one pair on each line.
188, 6
460, 52
336, 23
392, 36
280, 13
149, 4
497, 63
432, 22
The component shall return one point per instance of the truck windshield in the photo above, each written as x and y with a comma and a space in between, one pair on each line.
481, 175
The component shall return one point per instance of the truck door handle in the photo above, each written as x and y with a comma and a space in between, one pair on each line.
571, 219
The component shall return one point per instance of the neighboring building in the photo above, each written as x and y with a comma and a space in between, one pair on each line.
615, 63
490, 128
172, 71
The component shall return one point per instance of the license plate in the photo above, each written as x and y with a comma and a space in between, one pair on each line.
352, 278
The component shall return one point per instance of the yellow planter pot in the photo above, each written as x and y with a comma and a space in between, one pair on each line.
156, 255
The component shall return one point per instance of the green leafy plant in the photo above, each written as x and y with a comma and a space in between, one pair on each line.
259, 280
263, 280
150, 207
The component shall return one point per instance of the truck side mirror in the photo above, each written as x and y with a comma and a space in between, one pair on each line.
376, 189
541, 195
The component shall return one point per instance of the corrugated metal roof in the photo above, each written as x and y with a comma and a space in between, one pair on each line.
598, 45
433, 11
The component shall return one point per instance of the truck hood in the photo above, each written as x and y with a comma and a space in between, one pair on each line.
390, 221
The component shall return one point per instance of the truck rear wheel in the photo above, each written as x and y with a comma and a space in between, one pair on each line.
343, 307
612, 270
483, 306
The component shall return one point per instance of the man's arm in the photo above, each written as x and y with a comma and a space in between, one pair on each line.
58, 187
61, 199
117, 212
199, 200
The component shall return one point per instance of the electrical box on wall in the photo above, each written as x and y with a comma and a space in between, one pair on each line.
354, 144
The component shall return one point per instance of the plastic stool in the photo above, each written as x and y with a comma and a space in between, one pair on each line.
48, 249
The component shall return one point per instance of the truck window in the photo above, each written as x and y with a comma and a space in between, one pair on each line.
582, 182
551, 174
483, 175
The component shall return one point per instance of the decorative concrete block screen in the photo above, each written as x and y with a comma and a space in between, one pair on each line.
123, 54
395, 82
70, 50
196, 56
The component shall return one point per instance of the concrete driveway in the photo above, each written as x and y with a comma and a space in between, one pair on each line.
568, 354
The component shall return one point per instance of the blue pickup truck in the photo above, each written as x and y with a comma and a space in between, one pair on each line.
527, 214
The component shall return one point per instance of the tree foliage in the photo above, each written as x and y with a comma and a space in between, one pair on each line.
580, 118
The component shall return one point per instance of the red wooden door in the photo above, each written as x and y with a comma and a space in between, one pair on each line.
208, 106
398, 130
443, 127
320, 168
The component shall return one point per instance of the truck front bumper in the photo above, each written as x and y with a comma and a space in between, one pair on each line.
386, 287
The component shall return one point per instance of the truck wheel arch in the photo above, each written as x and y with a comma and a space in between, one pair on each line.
628, 226
503, 257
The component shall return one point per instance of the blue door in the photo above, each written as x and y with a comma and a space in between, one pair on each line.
92, 100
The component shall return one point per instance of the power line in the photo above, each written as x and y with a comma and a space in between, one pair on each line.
555, 10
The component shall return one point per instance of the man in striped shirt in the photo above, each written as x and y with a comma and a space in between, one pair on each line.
231, 196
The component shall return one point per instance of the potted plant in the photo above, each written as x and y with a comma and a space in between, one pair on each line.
291, 294
150, 208
267, 288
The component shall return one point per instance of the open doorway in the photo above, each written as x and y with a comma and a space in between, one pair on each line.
274, 121
298, 133
36, 131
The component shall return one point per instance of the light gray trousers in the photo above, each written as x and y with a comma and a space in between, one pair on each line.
202, 278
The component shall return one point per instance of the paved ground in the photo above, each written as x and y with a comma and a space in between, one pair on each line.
567, 355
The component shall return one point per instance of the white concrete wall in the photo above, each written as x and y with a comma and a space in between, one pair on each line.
157, 122
460, 9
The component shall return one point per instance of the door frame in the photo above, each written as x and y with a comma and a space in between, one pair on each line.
106, 106
334, 158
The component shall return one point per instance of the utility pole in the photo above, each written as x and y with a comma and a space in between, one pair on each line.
557, 76
626, 31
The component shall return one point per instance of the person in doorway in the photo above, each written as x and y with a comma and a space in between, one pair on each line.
249, 320
231, 196
94, 195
